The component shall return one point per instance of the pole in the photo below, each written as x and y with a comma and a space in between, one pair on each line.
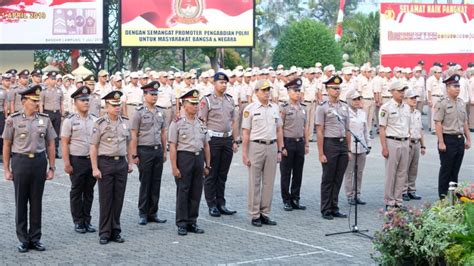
250, 57
184, 60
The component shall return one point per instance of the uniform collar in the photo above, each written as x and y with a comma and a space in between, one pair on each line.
397, 104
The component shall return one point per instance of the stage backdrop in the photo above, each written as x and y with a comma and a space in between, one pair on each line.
187, 23
51, 23
430, 32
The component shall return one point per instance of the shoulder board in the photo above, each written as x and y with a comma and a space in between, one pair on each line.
124, 117
207, 95
15, 114
323, 102
93, 115
177, 119
200, 120
139, 108
43, 114
228, 95
303, 104
71, 115
100, 120
285, 104
344, 103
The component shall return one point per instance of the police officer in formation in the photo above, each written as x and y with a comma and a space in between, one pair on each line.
218, 114
334, 140
296, 146
76, 134
148, 149
111, 161
262, 143
190, 161
394, 119
27, 135
452, 132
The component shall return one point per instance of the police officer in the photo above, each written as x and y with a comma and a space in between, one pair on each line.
95, 98
109, 152
76, 132
52, 105
296, 145
4, 96
453, 135
26, 137
147, 146
262, 141
394, 119
218, 114
15, 97
189, 151
332, 122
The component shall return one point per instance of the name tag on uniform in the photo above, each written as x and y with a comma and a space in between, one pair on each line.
76, 124
449, 107
21, 126
289, 113
256, 114
393, 113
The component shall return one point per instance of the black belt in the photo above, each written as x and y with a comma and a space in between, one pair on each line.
53, 111
415, 141
134, 104
308, 101
166, 108
294, 139
243, 102
368, 99
192, 152
335, 139
150, 147
115, 158
266, 142
397, 139
282, 101
81, 157
28, 155
436, 95
386, 97
459, 136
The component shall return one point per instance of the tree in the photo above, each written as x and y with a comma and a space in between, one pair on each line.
305, 43
361, 38
326, 10
232, 59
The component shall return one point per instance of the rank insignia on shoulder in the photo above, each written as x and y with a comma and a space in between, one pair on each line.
246, 114
285, 104
124, 117
15, 114
139, 108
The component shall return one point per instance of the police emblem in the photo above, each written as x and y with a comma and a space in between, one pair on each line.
156, 86
38, 91
337, 80
84, 91
188, 12
195, 94
117, 96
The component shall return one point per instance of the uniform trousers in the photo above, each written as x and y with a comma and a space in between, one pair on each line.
451, 161
335, 150
310, 109
291, 170
150, 171
29, 177
262, 170
244, 105
435, 100
2, 127
221, 158
396, 167
111, 194
55, 117
168, 115
189, 187
369, 109
82, 189
349, 178
413, 158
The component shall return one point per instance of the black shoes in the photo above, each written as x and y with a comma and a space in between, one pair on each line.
37, 246
89, 228
405, 197
79, 228
257, 222
182, 231
327, 215
287, 206
352, 201
22, 247
413, 196
155, 219
214, 212
360, 202
104, 240
297, 206
267, 220
223, 210
338, 215
117, 239
194, 228
142, 221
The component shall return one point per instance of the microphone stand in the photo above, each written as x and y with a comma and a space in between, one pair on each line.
354, 228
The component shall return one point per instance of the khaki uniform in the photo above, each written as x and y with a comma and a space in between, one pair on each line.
95, 104
165, 102
366, 90
149, 125
416, 129
190, 138
385, 94
51, 99
218, 113
262, 121
111, 139
418, 84
437, 90
3, 103
79, 130
15, 97
30, 137
310, 91
132, 97
452, 115
396, 120
345, 87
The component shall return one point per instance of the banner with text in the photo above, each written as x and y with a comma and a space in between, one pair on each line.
430, 32
51, 22
187, 23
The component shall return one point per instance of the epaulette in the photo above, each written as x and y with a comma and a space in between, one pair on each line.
228, 95
177, 119
15, 114
208, 95
139, 108
71, 115
43, 114
285, 104
100, 120
303, 104
94, 115
323, 102
124, 117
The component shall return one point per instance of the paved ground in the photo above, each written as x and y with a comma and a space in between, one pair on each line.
299, 237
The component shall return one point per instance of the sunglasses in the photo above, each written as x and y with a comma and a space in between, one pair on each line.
83, 100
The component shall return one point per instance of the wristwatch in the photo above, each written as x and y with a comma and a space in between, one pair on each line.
208, 167
134, 156
52, 168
